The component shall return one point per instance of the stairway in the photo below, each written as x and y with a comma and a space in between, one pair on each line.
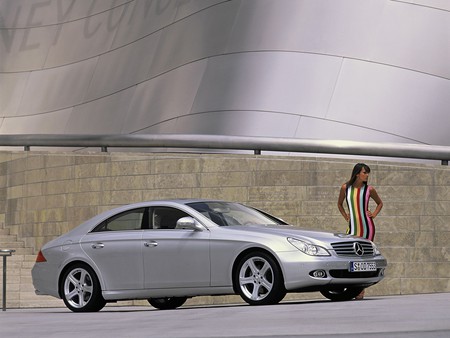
19, 286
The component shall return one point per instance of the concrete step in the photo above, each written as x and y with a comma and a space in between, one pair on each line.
11, 245
20, 290
7, 238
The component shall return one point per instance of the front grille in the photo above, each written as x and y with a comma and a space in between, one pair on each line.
348, 274
348, 249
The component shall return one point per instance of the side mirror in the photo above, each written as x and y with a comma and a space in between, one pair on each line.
188, 223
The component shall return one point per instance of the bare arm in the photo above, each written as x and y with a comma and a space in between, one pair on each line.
378, 201
340, 203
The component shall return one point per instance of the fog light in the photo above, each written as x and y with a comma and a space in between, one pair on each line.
318, 274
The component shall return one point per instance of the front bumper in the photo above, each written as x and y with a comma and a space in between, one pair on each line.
298, 270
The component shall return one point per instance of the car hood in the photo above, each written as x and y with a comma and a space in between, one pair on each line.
312, 236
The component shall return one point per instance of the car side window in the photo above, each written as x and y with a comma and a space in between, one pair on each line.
135, 219
165, 217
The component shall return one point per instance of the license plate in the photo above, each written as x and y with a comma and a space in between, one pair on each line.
362, 266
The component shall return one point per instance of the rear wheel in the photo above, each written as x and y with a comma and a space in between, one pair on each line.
258, 279
167, 303
341, 294
81, 290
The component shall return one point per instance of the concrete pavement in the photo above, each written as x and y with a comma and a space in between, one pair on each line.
426, 315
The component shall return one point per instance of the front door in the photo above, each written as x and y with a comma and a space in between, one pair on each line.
174, 258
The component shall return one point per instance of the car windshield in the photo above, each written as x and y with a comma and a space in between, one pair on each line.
229, 214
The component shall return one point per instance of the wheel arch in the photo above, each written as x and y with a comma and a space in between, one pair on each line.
248, 251
68, 266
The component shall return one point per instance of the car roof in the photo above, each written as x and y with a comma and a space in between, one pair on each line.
182, 201
191, 200
83, 227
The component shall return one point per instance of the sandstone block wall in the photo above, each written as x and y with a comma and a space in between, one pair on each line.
43, 195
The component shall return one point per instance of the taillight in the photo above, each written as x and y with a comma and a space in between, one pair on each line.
40, 257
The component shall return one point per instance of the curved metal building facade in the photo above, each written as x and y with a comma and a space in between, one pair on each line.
373, 70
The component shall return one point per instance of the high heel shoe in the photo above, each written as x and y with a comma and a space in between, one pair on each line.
361, 295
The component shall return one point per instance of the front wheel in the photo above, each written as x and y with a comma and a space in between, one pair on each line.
258, 279
81, 290
167, 303
341, 294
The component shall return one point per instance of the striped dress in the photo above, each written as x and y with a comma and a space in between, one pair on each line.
360, 224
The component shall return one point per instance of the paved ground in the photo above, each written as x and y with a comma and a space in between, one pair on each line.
394, 316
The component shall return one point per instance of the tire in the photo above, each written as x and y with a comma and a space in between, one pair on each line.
342, 294
80, 289
167, 303
258, 279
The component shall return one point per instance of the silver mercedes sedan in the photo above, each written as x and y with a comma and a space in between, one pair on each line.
168, 251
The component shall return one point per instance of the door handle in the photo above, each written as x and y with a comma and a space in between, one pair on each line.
150, 244
98, 246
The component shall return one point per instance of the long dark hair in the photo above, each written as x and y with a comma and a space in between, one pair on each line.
356, 170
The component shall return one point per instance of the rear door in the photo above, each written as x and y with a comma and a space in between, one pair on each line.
116, 246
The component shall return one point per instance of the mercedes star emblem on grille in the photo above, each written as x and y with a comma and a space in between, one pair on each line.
357, 247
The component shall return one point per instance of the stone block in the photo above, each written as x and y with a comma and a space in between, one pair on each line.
425, 239
276, 193
405, 176
222, 193
314, 193
223, 179
17, 165
442, 239
4, 164
143, 182
77, 215
436, 223
406, 223
92, 158
401, 208
58, 187
437, 208
130, 168
89, 184
437, 270
403, 193
310, 208
159, 194
90, 170
438, 193
442, 177
3, 182
177, 166
173, 181
15, 192
425, 285
393, 239
121, 197
396, 254
85, 199
388, 286
427, 254
37, 161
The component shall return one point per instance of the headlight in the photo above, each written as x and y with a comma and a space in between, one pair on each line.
376, 252
308, 248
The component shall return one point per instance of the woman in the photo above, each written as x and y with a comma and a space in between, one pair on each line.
357, 193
